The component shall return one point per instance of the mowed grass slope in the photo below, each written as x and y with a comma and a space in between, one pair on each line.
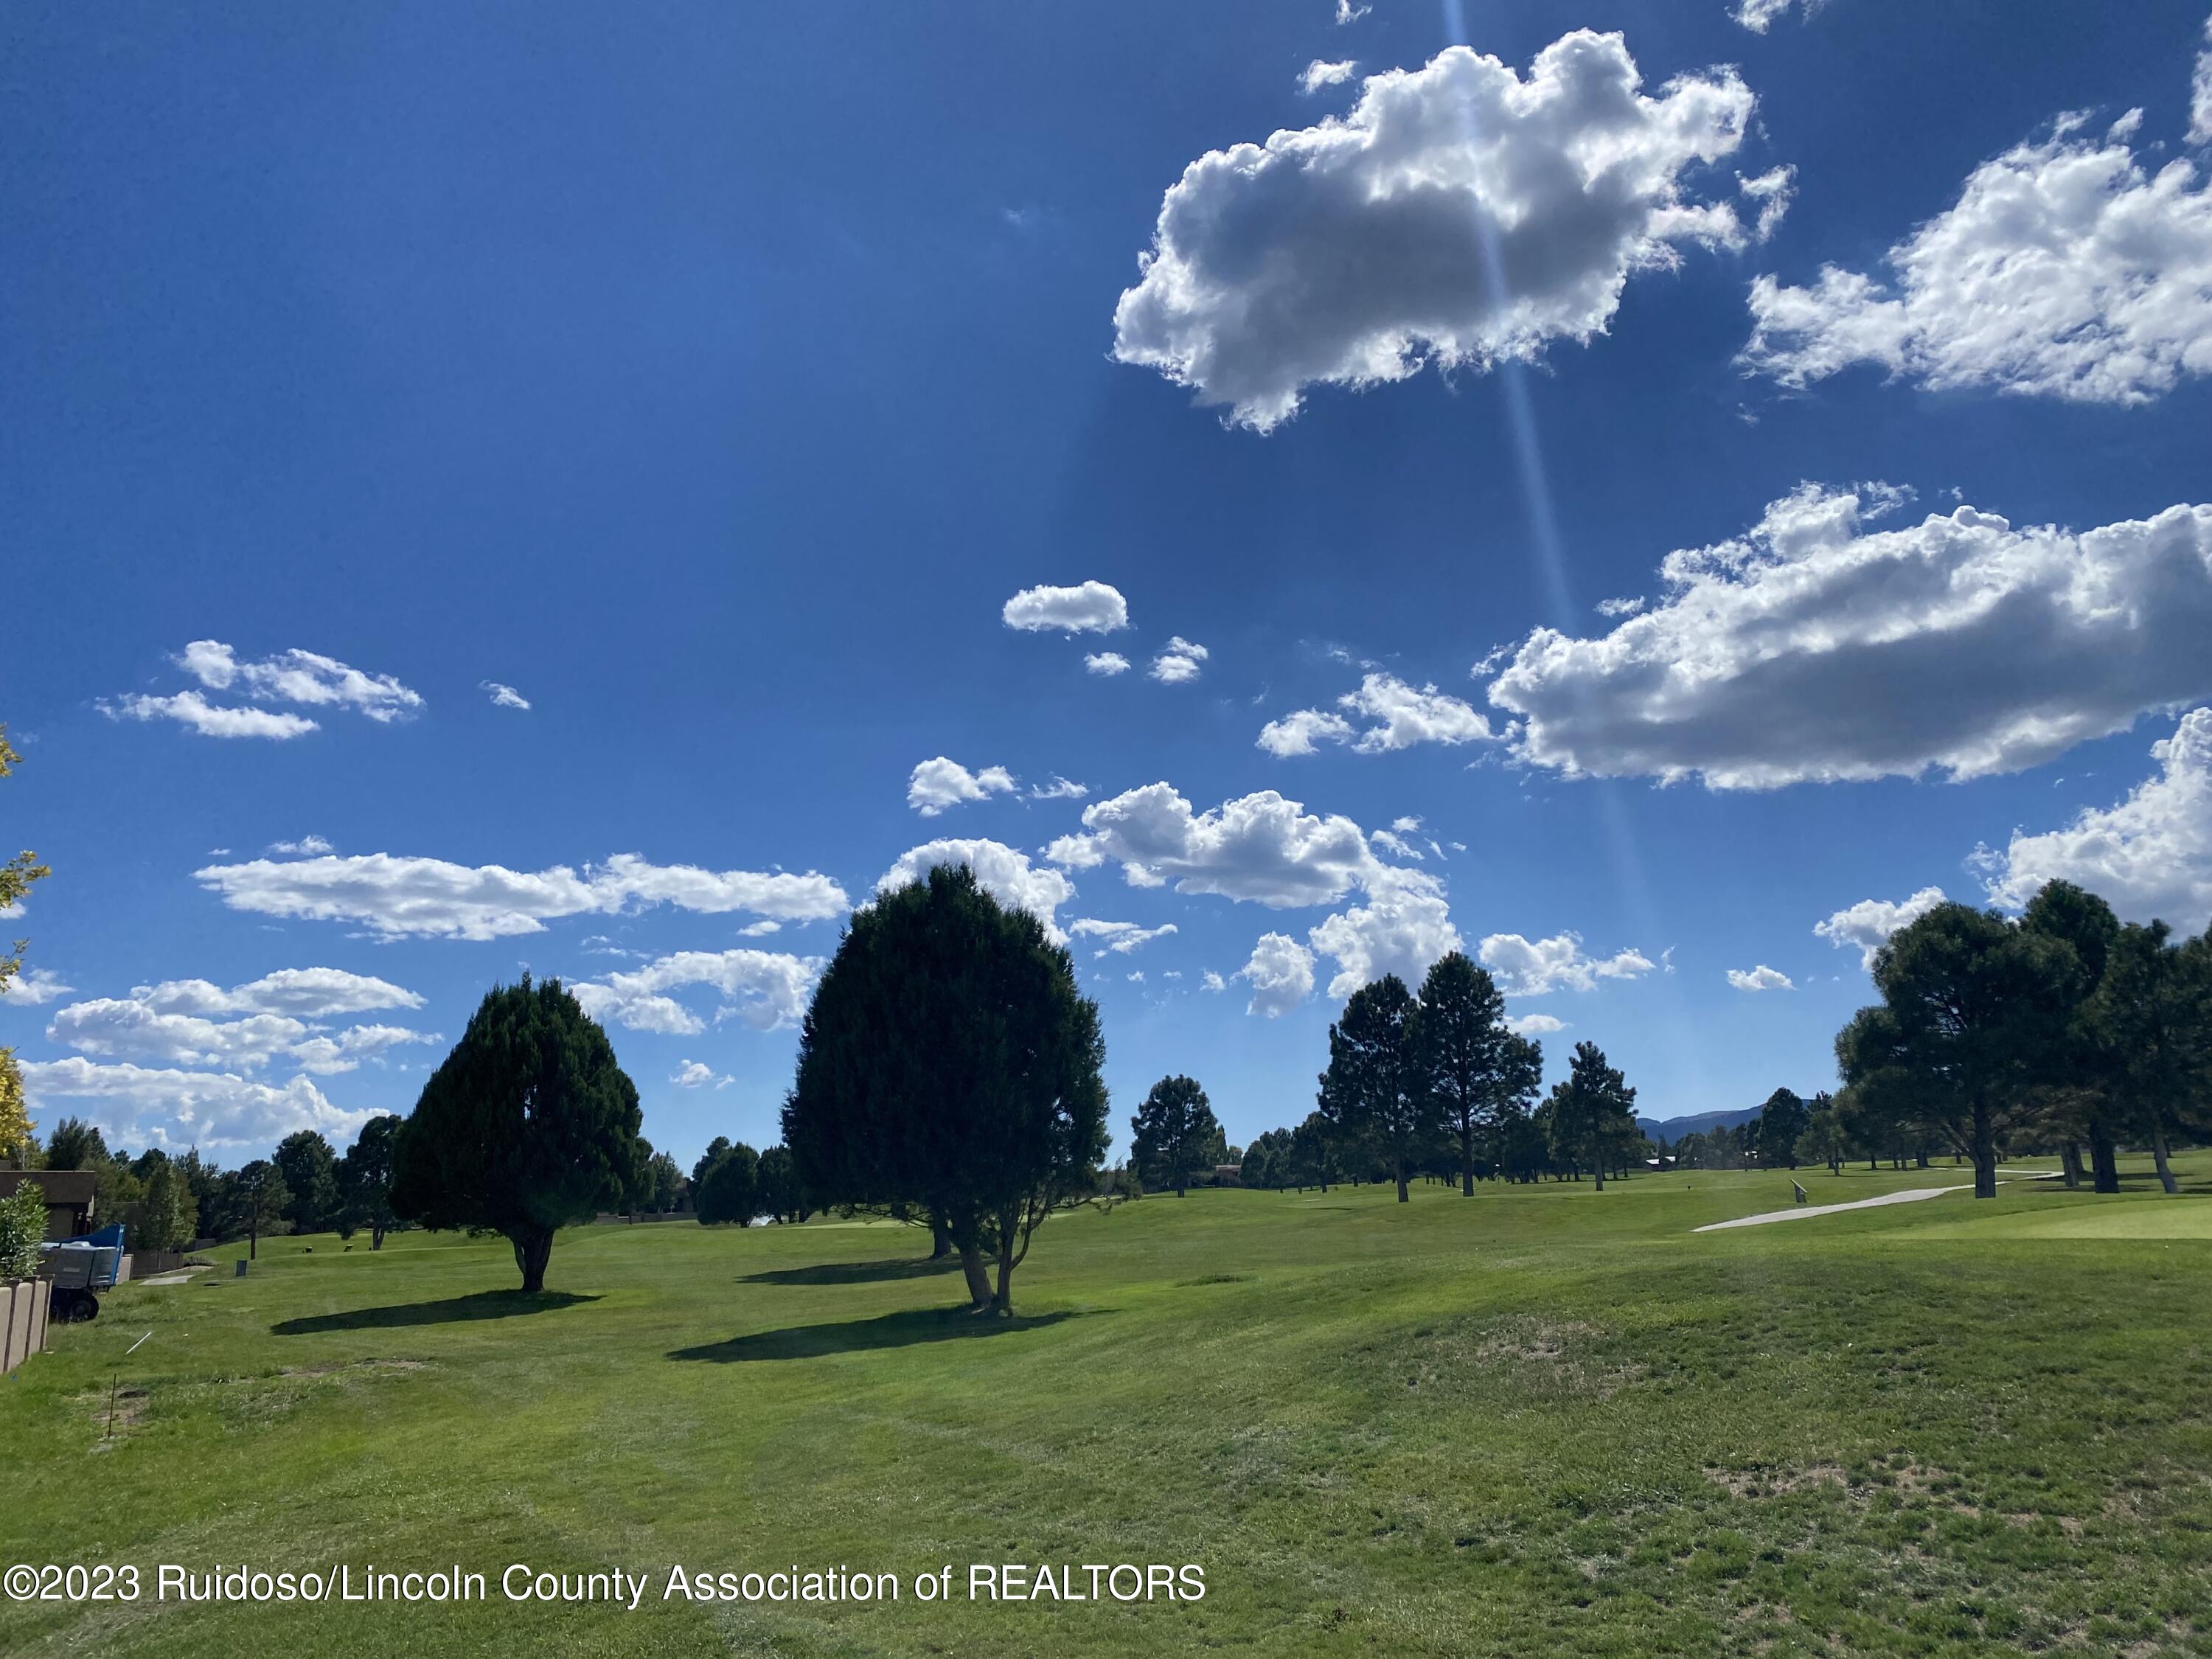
1539, 1420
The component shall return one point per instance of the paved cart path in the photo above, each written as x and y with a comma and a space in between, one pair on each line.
1909, 1196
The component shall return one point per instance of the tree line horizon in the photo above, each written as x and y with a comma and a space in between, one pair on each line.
949, 1074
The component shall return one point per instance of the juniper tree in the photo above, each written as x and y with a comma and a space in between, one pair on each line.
528, 1126
948, 1065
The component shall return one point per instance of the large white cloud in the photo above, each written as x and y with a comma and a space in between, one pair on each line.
1868, 924
1399, 716
1258, 847
2150, 855
2063, 269
124, 1027
196, 1023
1404, 927
192, 709
1089, 607
305, 993
396, 895
763, 989
939, 783
1459, 214
303, 677
1814, 649
1000, 870
1281, 975
1528, 968
176, 1108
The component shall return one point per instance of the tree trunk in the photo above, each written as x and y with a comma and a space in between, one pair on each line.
940, 1240
2104, 1163
2070, 1162
2158, 1151
533, 1248
376, 1235
1398, 1168
978, 1277
1002, 1304
1597, 1174
253, 1239
1985, 1152
1467, 1161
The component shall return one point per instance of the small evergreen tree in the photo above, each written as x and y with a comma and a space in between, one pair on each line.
364, 1180
1592, 1114
726, 1185
1173, 1133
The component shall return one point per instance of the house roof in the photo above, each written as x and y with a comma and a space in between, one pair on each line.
64, 1188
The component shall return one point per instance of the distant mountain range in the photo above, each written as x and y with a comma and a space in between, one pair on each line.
1673, 1128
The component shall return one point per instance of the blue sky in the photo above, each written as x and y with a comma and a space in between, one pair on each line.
714, 378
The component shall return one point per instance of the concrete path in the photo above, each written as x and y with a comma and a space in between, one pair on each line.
1909, 1196
182, 1276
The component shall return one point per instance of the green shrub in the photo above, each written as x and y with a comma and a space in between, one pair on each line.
23, 1229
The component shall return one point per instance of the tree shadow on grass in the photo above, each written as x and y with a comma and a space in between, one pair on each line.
484, 1305
898, 1330
856, 1273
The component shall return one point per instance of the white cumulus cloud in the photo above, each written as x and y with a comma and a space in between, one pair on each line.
1119, 937
1761, 978
1260, 847
1107, 663
173, 1109
2150, 855
1089, 607
1000, 870
763, 989
306, 847
1398, 715
503, 697
395, 896
1867, 925
1459, 215
939, 783
1812, 649
1528, 968
1319, 73
2064, 270
1535, 1024
697, 1074
33, 988
1404, 927
1280, 972
1179, 660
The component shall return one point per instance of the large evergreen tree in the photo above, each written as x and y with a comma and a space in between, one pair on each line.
1373, 1093
949, 1064
2151, 1016
1479, 1073
1973, 1009
1781, 1122
528, 1125
1173, 1133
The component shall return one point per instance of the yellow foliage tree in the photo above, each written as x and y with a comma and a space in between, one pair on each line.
15, 1116
16, 875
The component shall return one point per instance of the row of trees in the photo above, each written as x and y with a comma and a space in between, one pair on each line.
1439, 1082
2064, 1028
172, 1201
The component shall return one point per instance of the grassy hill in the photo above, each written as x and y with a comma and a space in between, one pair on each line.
1544, 1420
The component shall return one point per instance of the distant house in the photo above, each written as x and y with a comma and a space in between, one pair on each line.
69, 1197
1229, 1175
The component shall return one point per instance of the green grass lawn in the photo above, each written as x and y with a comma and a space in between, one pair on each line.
1542, 1420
